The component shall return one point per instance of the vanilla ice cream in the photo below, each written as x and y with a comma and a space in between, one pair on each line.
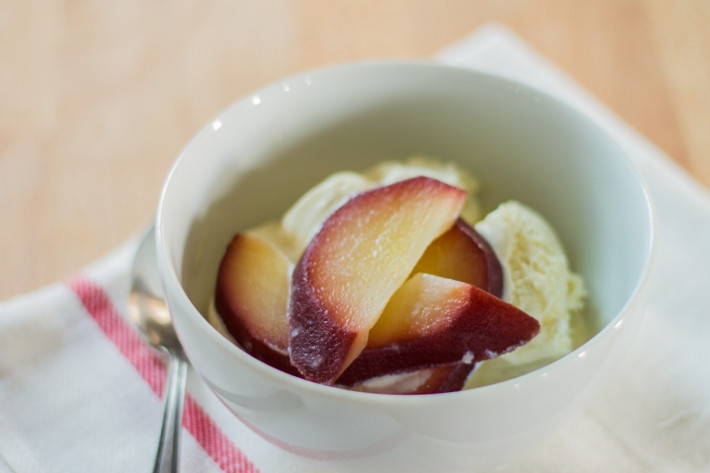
538, 280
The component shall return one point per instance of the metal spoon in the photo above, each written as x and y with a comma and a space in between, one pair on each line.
149, 313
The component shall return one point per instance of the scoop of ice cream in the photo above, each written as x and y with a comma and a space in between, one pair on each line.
393, 171
537, 278
303, 220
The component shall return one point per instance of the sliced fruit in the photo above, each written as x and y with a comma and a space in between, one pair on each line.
464, 255
432, 321
251, 298
441, 379
363, 252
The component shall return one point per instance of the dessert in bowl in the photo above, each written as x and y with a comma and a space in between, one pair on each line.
252, 162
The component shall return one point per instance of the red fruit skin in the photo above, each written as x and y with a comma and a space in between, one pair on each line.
321, 332
454, 380
492, 266
248, 342
442, 379
445, 379
489, 327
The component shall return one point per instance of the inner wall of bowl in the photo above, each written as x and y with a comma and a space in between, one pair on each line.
252, 163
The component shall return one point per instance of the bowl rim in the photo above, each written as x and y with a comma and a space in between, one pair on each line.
171, 278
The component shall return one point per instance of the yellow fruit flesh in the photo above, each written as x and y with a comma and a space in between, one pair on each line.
420, 306
259, 278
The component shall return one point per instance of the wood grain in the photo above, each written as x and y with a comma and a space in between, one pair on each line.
97, 98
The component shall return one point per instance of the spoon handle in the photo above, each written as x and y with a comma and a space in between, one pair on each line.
167, 457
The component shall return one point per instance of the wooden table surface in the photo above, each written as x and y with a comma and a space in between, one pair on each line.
97, 98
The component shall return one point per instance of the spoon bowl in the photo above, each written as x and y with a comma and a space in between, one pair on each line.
149, 313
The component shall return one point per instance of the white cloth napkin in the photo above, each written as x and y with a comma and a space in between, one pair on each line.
80, 392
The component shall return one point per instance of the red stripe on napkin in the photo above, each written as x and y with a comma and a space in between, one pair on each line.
149, 365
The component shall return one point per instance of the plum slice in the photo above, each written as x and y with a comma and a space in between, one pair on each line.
433, 321
251, 298
362, 254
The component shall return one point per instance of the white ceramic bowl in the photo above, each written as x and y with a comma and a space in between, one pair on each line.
256, 158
